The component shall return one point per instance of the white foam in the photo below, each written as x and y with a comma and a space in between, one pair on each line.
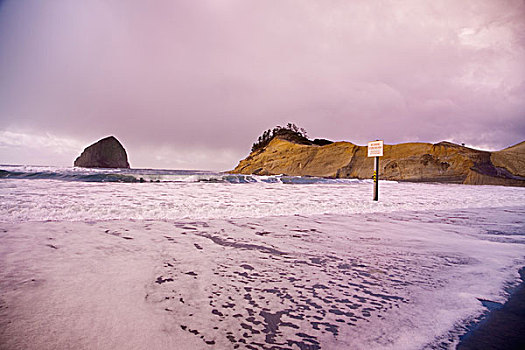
40, 200
415, 264
413, 279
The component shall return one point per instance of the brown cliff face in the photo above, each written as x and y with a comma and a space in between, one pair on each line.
420, 162
285, 157
512, 159
106, 153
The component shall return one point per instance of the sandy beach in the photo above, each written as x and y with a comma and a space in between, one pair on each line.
402, 280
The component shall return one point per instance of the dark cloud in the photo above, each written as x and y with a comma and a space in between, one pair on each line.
187, 83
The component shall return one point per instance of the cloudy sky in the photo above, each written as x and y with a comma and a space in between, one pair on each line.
192, 84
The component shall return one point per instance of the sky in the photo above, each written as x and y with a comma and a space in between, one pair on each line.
192, 84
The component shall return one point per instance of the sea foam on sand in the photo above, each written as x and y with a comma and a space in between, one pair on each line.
406, 273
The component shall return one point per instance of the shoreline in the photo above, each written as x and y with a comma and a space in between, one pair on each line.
502, 328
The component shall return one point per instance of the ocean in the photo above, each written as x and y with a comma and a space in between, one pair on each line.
150, 175
163, 259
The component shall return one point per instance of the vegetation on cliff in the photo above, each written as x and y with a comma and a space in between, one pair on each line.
290, 132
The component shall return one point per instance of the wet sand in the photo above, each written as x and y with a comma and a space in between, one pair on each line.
392, 281
503, 328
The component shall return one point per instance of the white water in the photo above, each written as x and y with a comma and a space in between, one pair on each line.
39, 200
265, 264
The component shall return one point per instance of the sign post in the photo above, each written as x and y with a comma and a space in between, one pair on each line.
375, 149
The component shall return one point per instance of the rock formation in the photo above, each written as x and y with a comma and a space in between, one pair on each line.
512, 159
106, 153
420, 162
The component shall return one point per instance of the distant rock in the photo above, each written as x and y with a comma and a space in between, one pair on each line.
443, 162
106, 153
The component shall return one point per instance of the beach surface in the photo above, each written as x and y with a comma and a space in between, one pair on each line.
407, 280
254, 265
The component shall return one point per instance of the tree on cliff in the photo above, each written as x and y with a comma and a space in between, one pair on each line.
290, 132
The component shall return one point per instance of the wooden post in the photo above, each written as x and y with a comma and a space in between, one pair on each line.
375, 149
376, 178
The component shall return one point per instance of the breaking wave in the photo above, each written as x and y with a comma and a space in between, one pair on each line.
154, 175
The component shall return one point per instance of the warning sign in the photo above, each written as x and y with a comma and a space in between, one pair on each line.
375, 149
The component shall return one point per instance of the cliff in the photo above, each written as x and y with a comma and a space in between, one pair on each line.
512, 159
106, 153
420, 162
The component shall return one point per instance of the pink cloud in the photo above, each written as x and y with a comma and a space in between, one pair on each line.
212, 75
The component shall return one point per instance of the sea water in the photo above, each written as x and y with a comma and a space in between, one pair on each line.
80, 194
105, 258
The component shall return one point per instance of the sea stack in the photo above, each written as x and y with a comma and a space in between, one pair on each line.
106, 153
